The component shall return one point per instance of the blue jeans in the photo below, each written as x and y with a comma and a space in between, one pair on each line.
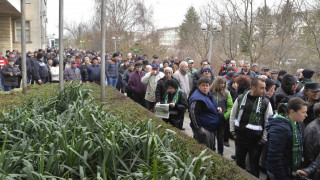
1, 82
113, 82
106, 81
8, 88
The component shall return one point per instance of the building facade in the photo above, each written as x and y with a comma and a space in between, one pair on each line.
169, 36
35, 26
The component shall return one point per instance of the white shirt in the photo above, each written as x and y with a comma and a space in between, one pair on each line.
54, 73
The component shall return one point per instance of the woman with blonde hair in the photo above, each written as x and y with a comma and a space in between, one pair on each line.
224, 100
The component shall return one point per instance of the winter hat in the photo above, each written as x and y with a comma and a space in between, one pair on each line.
115, 55
287, 82
307, 73
207, 69
282, 72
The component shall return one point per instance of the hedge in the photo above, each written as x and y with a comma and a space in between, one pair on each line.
119, 105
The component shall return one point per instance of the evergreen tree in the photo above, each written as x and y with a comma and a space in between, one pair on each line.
190, 32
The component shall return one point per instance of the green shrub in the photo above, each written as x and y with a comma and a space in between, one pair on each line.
68, 136
124, 109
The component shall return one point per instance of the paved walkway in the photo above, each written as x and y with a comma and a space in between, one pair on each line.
228, 151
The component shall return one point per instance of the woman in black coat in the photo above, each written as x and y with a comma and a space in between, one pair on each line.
177, 101
10, 75
285, 152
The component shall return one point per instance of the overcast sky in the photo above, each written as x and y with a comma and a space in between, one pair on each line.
166, 13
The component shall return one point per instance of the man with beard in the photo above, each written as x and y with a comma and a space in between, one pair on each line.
249, 114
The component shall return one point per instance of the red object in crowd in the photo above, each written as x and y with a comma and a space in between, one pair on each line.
235, 69
3, 62
78, 63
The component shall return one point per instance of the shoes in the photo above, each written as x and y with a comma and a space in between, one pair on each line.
226, 144
183, 129
233, 157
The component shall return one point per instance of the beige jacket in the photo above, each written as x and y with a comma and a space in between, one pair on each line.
184, 81
151, 82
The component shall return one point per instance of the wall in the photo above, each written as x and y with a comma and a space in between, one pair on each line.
5, 33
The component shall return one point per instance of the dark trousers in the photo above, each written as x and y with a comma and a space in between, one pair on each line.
150, 105
227, 133
176, 122
254, 151
9, 88
208, 138
220, 138
138, 99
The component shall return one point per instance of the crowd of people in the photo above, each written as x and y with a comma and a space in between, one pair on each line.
273, 116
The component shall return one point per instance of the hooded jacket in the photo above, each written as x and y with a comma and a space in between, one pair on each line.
279, 153
285, 90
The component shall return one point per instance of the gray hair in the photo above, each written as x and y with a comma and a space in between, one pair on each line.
299, 71
233, 61
183, 63
168, 69
242, 61
246, 62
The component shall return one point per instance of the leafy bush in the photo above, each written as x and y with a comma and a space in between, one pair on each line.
69, 136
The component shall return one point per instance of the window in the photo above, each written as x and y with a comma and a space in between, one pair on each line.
18, 31
27, 1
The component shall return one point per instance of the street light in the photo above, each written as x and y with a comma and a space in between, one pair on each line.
81, 43
115, 42
212, 29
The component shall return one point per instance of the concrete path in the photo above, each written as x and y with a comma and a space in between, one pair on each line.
228, 151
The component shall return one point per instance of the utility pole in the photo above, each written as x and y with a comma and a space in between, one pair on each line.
23, 46
61, 44
103, 47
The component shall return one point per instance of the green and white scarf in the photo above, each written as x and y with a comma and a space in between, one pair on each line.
256, 117
174, 99
297, 149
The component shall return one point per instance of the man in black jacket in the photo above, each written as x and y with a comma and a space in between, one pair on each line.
248, 116
311, 145
41, 70
10, 75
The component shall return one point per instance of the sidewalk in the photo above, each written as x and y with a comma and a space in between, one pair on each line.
228, 151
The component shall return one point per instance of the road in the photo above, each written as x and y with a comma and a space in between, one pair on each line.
228, 151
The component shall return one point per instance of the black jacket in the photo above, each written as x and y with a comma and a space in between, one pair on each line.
311, 148
40, 71
279, 153
161, 89
8, 80
233, 92
176, 115
285, 90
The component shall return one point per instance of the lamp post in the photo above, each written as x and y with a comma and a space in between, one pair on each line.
81, 42
116, 40
212, 30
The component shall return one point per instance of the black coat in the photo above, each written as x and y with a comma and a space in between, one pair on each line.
279, 153
311, 148
176, 115
8, 80
161, 89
